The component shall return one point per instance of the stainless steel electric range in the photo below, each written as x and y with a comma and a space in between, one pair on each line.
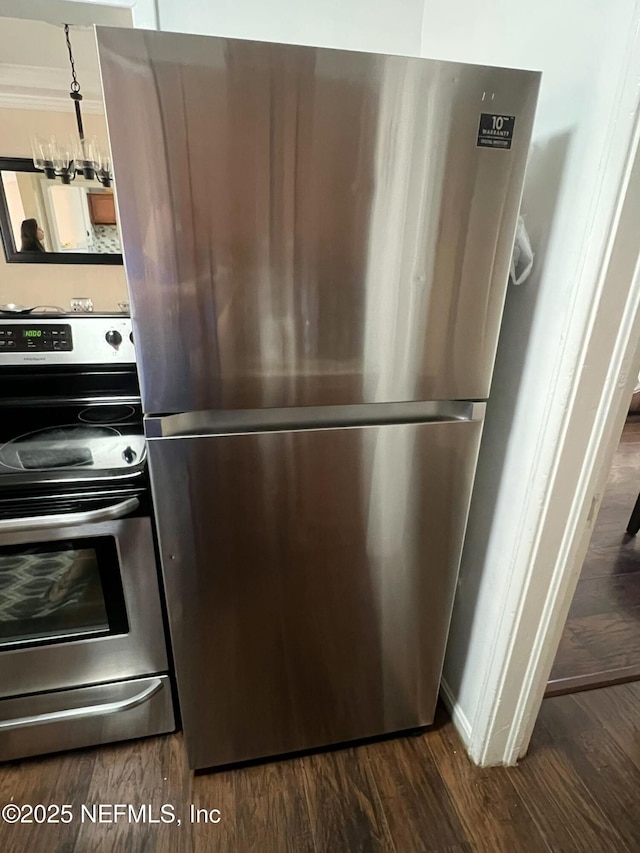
83, 656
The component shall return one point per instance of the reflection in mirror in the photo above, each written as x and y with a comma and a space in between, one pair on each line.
44, 220
78, 217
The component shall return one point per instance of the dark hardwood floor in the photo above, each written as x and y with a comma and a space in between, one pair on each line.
576, 792
601, 640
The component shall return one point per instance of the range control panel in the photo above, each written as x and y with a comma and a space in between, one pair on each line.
36, 337
64, 339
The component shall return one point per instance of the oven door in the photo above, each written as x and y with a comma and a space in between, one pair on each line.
79, 599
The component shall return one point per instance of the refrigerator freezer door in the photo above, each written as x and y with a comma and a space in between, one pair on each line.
310, 227
309, 577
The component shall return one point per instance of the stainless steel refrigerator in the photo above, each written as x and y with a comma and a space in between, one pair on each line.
317, 244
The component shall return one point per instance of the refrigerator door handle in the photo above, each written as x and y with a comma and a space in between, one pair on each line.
224, 421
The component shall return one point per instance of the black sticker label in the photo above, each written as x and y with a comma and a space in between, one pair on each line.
495, 131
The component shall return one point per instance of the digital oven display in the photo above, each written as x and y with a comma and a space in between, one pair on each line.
48, 337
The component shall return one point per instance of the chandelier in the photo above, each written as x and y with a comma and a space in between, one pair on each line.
68, 159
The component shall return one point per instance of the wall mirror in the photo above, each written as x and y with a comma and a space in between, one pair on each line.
76, 221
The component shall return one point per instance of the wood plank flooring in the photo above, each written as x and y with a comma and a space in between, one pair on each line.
601, 639
577, 790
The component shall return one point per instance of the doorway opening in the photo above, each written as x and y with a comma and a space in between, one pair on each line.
600, 644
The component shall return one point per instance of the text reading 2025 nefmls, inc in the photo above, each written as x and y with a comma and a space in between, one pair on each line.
108, 813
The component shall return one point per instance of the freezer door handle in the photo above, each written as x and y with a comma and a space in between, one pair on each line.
85, 711
225, 421
69, 519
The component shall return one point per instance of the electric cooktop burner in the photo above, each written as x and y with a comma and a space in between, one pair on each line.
60, 447
98, 447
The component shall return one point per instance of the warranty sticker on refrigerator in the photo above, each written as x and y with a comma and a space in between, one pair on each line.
495, 131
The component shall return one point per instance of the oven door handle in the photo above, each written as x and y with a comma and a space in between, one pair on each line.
69, 519
102, 709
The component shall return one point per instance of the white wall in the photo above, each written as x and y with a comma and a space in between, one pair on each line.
578, 44
375, 25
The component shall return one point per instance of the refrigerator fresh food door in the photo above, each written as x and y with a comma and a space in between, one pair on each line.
310, 577
309, 227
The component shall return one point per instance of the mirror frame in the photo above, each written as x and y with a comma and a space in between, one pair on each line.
13, 256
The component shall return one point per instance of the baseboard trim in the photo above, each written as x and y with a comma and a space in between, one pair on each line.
592, 681
458, 717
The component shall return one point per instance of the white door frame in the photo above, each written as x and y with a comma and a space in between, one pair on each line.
597, 371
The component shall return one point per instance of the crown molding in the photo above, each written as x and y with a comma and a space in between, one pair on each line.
42, 103
30, 87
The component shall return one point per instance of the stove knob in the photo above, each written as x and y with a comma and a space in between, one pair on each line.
129, 455
113, 338
131, 336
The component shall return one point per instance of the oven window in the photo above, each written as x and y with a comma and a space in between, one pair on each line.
57, 591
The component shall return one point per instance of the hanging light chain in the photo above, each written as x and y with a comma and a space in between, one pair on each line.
74, 94
75, 86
